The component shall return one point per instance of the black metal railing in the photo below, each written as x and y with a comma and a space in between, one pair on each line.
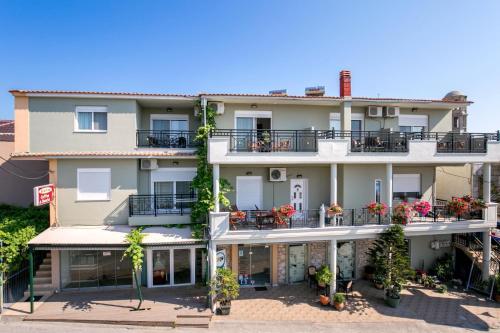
262, 219
161, 204
166, 139
16, 283
272, 140
360, 141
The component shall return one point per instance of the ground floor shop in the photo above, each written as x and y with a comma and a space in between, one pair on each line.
288, 263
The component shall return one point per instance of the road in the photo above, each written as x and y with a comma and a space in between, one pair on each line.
237, 327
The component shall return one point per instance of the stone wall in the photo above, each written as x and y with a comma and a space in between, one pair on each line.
318, 253
362, 258
282, 264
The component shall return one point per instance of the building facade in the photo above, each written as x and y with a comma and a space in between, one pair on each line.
124, 160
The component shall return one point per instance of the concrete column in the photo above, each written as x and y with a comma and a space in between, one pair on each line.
55, 272
486, 254
333, 268
216, 176
212, 267
322, 214
234, 259
487, 182
274, 264
345, 114
388, 179
333, 183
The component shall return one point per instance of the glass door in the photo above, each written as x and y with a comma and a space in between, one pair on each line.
244, 136
164, 196
254, 265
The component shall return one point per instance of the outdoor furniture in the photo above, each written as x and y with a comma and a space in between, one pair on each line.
311, 276
345, 287
264, 218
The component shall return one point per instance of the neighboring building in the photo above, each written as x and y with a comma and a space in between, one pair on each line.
125, 159
17, 178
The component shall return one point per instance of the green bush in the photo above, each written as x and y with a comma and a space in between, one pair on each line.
18, 226
443, 268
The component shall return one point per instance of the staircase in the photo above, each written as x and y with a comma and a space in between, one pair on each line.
42, 281
472, 246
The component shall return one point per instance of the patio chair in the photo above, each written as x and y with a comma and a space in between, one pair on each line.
346, 288
311, 276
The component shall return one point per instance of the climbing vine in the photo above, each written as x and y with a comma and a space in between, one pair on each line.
135, 252
203, 182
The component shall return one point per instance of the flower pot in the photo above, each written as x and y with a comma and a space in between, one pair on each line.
225, 309
339, 306
324, 300
497, 297
369, 276
379, 285
392, 302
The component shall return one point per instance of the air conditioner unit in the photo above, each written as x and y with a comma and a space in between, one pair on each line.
277, 174
391, 111
374, 111
217, 106
149, 164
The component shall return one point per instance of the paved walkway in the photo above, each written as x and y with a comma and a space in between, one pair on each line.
165, 306
300, 303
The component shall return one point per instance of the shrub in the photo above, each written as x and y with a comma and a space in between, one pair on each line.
339, 298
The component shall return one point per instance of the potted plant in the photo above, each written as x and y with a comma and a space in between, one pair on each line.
389, 256
422, 207
442, 289
478, 204
339, 301
224, 288
458, 206
402, 213
376, 208
334, 210
323, 277
378, 281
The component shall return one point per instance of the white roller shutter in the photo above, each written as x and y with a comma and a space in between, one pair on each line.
93, 184
249, 192
413, 120
406, 182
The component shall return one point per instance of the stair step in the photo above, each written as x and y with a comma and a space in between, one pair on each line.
45, 266
42, 286
47, 261
42, 280
44, 273
195, 322
38, 293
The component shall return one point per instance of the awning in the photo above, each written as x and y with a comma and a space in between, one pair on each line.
109, 237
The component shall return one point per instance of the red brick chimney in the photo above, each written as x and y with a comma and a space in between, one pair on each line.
345, 83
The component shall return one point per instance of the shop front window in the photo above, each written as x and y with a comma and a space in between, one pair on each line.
182, 266
161, 267
254, 264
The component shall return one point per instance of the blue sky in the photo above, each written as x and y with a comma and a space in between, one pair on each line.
420, 49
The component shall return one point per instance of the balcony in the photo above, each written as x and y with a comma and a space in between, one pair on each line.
159, 209
266, 141
262, 226
166, 139
314, 146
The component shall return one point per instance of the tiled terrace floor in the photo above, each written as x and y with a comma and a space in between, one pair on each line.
113, 306
299, 302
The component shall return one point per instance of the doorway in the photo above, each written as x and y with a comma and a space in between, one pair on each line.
254, 265
296, 263
298, 194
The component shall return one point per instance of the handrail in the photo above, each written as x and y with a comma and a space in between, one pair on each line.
161, 204
166, 139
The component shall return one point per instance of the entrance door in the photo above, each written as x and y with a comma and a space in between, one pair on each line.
298, 194
296, 262
254, 265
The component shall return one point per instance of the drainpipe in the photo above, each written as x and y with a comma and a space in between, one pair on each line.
204, 110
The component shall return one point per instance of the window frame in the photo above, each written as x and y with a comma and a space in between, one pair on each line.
92, 110
79, 197
160, 116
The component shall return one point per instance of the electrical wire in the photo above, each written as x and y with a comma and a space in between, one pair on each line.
23, 177
15, 165
458, 176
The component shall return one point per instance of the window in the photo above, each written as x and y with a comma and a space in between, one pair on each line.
413, 123
456, 122
170, 122
249, 192
378, 189
91, 119
93, 184
335, 122
406, 187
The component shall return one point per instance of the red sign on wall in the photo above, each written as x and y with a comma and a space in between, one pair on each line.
43, 194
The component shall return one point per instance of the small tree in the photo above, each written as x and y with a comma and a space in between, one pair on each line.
135, 252
389, 255
224, 287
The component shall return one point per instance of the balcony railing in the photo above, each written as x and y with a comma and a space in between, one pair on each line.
166, 139
265, 220
375, 141
161, 204
272, 140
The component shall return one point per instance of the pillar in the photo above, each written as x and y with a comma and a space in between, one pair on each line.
486, 255
333, 268
322, 216
274, 264
212, 267
487, 182
234, 259
333, 183
216, 176
388, 178
345, 114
